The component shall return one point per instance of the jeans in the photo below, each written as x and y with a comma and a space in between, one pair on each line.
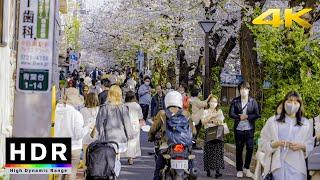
145, 110
244, 138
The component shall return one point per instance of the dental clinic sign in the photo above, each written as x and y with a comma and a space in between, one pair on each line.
35, 47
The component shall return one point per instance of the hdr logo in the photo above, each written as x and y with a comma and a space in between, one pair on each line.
289, 16
38, 155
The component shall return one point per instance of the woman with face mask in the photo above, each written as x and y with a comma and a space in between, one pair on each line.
213, 150
286, 140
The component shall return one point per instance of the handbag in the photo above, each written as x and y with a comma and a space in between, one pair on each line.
215, 133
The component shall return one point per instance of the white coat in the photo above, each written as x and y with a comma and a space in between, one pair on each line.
295, 159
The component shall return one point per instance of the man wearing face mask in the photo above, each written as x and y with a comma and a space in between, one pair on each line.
144, 93
245, 111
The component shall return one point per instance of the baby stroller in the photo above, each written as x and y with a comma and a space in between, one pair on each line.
102, 161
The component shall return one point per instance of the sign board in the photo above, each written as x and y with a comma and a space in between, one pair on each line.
35, 46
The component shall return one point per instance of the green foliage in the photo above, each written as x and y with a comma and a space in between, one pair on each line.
291, 63
159, 74
73, 33
215, 73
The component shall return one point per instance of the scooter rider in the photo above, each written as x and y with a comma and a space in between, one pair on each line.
173, 102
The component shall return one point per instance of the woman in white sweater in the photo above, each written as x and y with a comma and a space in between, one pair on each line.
286, 140
69, 123
135, 114
89, 113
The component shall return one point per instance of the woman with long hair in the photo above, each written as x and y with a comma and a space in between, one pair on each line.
113, 120
286, 140
89, 113
135, 113
213, 150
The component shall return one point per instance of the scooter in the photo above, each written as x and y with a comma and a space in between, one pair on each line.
179, 164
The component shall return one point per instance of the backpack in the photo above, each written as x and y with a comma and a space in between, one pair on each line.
101, 160
178, 130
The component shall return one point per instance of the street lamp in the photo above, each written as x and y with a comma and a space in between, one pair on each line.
178, 40
207, 26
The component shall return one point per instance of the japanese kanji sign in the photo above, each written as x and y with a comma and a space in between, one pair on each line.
35, 47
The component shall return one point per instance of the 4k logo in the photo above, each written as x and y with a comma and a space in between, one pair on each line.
289, 16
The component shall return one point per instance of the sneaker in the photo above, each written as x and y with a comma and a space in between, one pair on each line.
247, 172
239, 174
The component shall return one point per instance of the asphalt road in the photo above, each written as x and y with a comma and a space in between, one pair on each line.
143, 167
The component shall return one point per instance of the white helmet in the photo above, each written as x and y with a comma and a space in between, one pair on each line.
173, 98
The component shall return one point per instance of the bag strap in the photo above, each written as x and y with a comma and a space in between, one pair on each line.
244, 106
314, 131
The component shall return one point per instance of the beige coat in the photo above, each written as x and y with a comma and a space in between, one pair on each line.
296, 159
197, 108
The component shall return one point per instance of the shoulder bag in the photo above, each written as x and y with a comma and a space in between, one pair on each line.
215, 133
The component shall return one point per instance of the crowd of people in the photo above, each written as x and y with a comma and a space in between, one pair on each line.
115, 106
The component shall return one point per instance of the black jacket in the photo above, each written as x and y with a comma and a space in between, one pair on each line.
155, 105
252, 111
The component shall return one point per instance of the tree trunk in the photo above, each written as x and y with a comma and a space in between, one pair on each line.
171, 73
250, 68
184, 70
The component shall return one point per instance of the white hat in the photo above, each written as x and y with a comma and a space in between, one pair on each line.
173, 98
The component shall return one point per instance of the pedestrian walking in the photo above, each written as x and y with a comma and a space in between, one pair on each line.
168, 88
197, 108
286, 140
185, 97
89, 113
136, 116
81, 86
74, 97
157, 102
95, 88
69, 123
87, 80
214, 149
245, 111
173, 102
144, 93
95, 75
113, 120
106, 84
61, 75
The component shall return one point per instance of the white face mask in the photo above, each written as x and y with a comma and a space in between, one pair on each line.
244, 92
291, 108
213, 104
147, 83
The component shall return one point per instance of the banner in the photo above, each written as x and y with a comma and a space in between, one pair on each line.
35, 46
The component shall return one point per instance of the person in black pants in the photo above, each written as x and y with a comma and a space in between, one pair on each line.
144, 93
245, 111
